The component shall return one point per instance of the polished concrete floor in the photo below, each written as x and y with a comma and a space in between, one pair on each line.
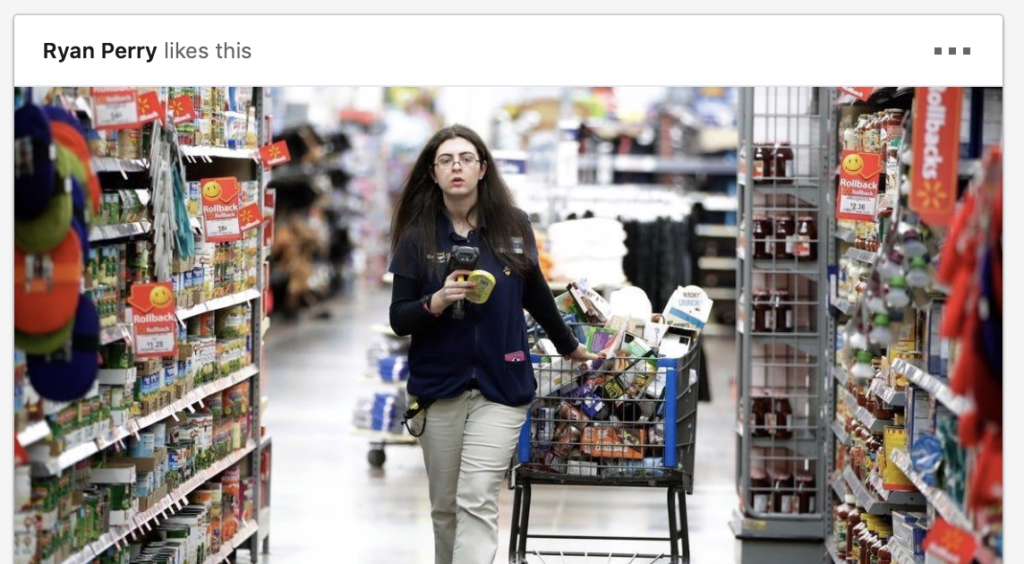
329, 506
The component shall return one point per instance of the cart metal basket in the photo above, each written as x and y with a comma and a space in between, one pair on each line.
630, 421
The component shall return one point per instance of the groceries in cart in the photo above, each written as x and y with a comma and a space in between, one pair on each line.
606, 417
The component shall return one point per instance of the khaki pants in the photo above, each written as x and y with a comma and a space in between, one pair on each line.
467, 444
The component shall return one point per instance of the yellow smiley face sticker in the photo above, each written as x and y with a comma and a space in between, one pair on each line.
160, 297
212, 190
853, 163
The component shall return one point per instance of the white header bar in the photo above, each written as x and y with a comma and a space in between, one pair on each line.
617, 50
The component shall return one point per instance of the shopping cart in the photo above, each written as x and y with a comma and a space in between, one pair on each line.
631, 422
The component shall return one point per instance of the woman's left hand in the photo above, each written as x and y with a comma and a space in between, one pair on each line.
580, 354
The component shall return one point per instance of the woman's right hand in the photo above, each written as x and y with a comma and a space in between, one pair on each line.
451, 292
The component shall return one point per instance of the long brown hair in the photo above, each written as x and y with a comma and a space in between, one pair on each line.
422, 202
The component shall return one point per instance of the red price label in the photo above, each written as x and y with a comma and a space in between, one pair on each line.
150, 108
950, 544
250, 216
275, 154
861, 93
936, 154
858, 186
115, 108
154, 321
268, 232
182, 109
220, 209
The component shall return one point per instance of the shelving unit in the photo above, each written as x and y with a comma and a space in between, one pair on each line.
896, 358
789, 363
49, 459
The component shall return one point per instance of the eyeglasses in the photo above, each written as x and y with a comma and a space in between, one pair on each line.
467, 160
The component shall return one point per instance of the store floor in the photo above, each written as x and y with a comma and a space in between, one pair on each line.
328, 505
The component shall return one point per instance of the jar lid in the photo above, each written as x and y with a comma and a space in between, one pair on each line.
807, 218
882, 319
864, 356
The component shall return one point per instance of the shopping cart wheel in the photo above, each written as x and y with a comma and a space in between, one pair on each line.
376, 457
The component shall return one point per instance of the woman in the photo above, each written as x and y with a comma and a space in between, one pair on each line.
474, 372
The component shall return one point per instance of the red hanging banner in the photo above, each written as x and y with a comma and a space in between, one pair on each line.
275, 154
115, 108
858, 186
150, 108
182, 109
949, 544
936, 154
861, 93
154, 321
250, 217
220, 209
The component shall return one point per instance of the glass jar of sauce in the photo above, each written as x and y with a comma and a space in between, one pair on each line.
760, 490
782, 490
784, 322
806, 240
761, 406
780, 418
785, 228
763, 230
806, 492
852, 522
764, 318
762, 163
783, 163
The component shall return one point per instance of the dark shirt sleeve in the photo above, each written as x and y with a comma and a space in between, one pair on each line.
407, 314
538, 300
407, 259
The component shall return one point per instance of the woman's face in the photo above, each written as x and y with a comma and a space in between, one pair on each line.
457, 167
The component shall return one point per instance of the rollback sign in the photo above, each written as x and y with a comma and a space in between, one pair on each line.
154, 321
220, 209
858, 186
936, 154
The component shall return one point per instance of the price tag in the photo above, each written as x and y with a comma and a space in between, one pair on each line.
220, 209
150, 108
155, 323
115, 108
936, 154
861, 93
858, 186
250, 216
949, 544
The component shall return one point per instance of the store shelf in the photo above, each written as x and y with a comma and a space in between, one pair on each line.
219, 303
219, 153
382, 437
34, 433
934, 386
838, 484
723, 294
844, 307
839, 373
861, 255
266, 440
873, 502
114, 231
53, 466
830, 546
169, 503
775, 529
231, 545
712, 230
769, 266
717, 263
806, 343
716, 202
657, 165
941, 501
801, 190
840, 432
863, 415
889, 395
846, 235
113, 334
111, 164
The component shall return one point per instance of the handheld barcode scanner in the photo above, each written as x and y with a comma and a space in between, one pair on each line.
462, 258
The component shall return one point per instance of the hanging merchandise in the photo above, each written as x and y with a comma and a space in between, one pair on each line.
925, 330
